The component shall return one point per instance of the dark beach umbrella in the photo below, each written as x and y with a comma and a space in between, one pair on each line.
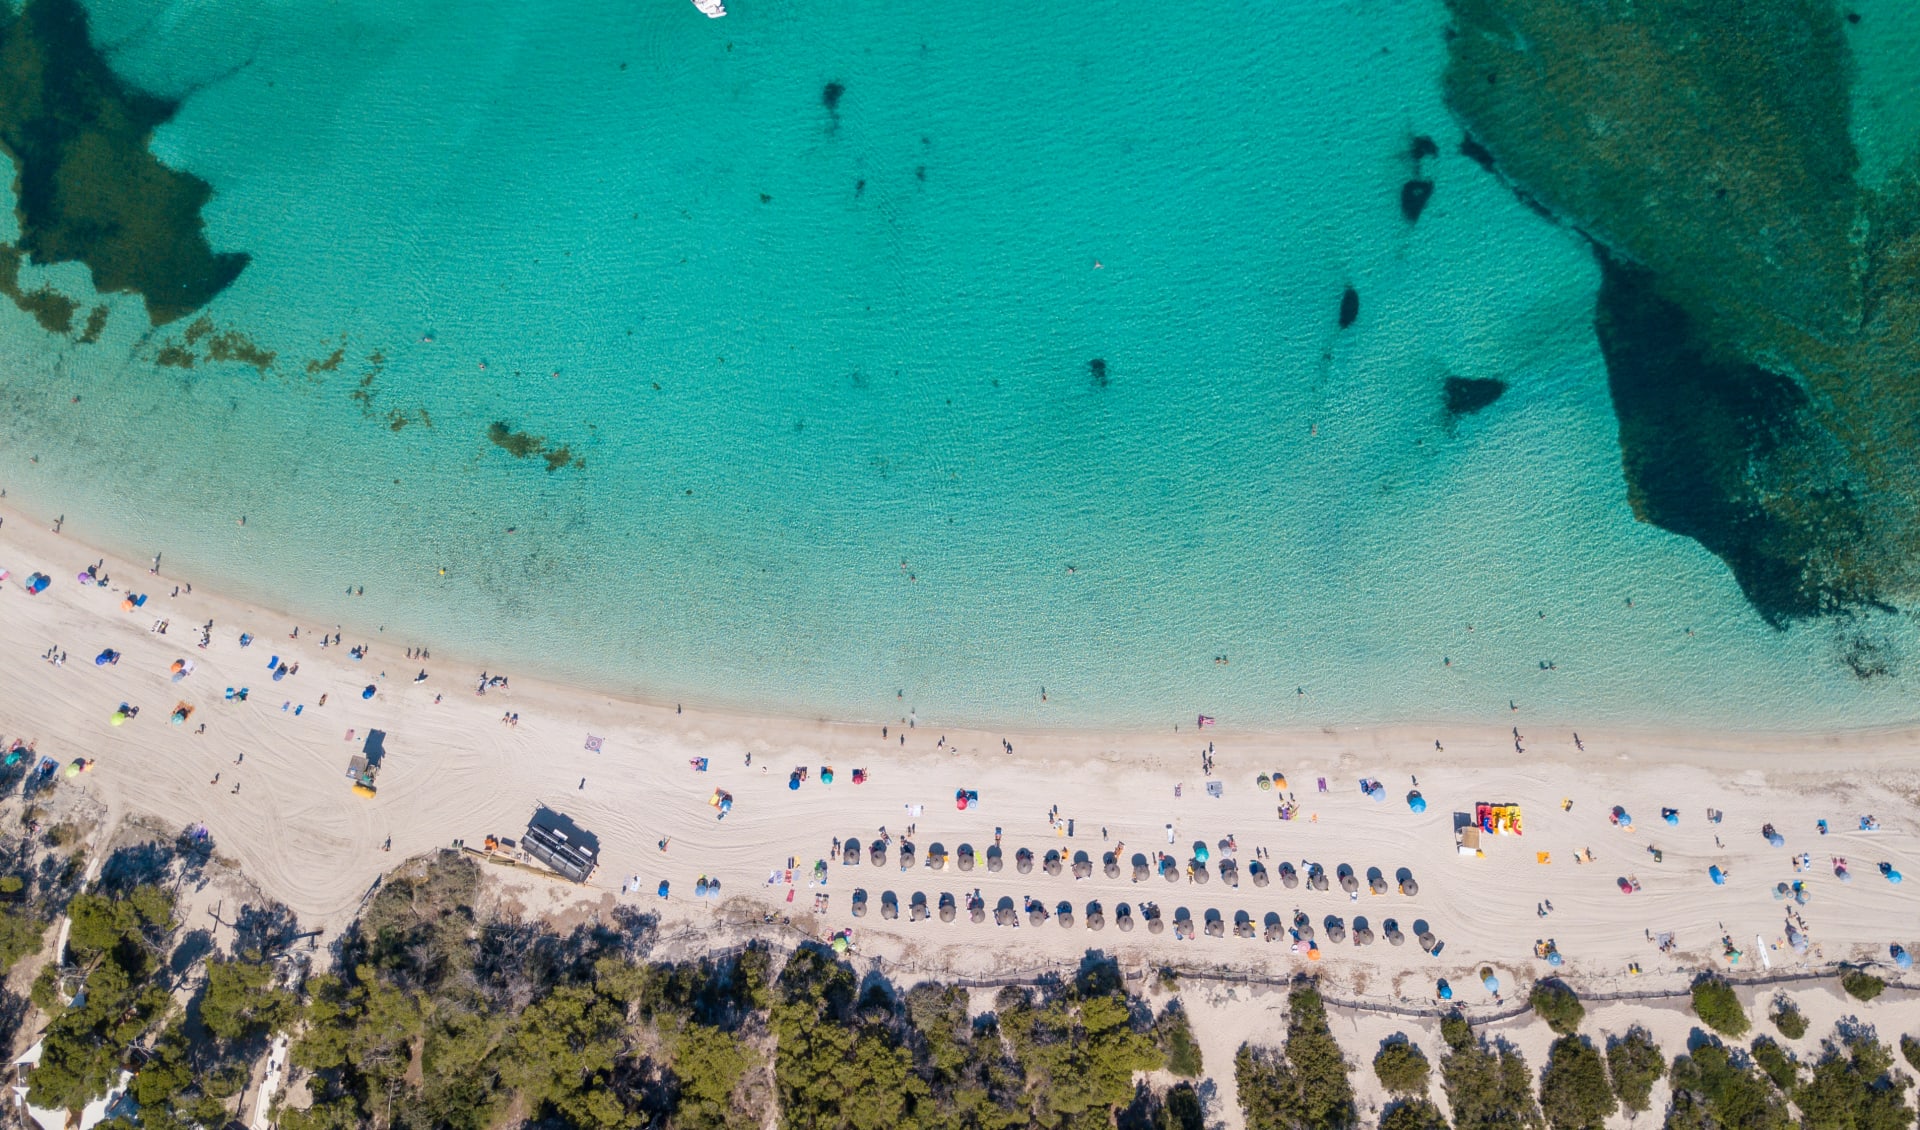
1409, 887
1302, 927
1183, 927
1258, 871
1169, 870
889, 905
1200, 875
906, 854
1317, 877
1154, 925
1052, 864
1216, 928
877, 852
1139, 867
1123, 919
1391, 928
1064, 912
994, 858
1023, 861
1336, 930
1377, 883
1111, 865
977, 913
1289, 878
937, 857
946, 908
1082, 868
850, 856
1348, 883
965, 859
1036, 914
1230, 872
1362, 936
917, 907
859, 904
1426, 940
1096, 918
1004, 916
1275, 931
1242, 924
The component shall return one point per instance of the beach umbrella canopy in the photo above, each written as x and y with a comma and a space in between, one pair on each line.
104, 658
119, 716
1892, 875
839, 944
663, 888
1491, 983
1900, 956
1672, 816
368, 693
1378, 793
1554, 958
1446, 990
793, 782
1416, 802
1718, 876
826, 778
1200, 852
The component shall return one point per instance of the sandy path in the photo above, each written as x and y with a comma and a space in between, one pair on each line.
454, 771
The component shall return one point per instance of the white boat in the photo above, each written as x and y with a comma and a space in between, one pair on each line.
713, 9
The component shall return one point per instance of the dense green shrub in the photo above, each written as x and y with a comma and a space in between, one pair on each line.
1556, 1004
1415, 1114
1773, 1059
1574, 1092
1789, 1020
1712, 1092
1455, 1030
1634, 1063
1401, 1069
1853, 1088
1304, 1088
1488, 1088
1861, 985
1176, 1041
1910, 1050
1718, 1007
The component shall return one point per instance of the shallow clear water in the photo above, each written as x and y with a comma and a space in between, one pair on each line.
877, 447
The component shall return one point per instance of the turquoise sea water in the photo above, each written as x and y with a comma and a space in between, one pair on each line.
877, 446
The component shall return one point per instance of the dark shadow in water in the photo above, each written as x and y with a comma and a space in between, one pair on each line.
1349, 307
88, 188
1693, 426
1463, 396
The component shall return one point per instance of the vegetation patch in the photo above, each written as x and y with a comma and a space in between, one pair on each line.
1555, 1003
1861, 985
1718, 1007
1789, 1020
87, 187
1574, 1092
1634, 1064
526, 445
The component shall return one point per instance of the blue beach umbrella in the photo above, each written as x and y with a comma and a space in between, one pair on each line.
1491, 983
1378, 793
700, 887
368, 693
1554, 958
1900, 956
1446, 990
1671, 815
104, 658
1416, 802
793, 782
1892, 875
1718, 876
663, 888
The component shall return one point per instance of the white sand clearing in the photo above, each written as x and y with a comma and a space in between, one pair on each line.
454, 770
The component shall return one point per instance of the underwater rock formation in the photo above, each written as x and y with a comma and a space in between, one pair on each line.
1759, 309
1463, 396
88, 188
1414, 196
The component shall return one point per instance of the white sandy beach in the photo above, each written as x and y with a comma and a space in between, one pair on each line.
454, 771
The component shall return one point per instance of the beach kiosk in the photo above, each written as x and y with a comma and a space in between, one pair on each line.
365, 765
553, 840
